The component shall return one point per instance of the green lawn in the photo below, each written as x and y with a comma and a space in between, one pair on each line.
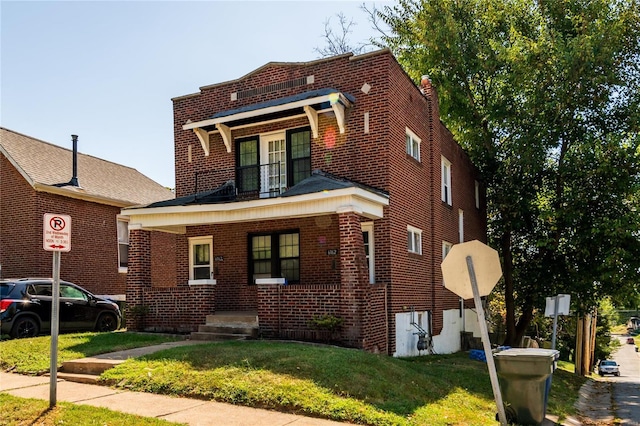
329, 382
23, 411
32, 355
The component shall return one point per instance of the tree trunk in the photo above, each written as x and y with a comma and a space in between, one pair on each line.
509, 301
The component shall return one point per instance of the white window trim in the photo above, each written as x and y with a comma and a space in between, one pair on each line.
461, 226
414, 138
414, 231
368, 227
445, 168
195, 241
120, 218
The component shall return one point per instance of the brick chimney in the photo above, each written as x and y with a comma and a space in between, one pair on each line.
431, 94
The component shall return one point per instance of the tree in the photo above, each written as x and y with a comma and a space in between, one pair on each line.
544, 96
337, 42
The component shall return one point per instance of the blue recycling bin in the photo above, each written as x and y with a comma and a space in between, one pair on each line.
525, 381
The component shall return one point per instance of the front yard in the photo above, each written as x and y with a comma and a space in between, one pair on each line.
314, 380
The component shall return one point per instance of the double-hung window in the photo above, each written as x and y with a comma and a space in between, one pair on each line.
414, 240
413, 144
275, 255
446, 181
123, 243
446, 248
299, 155
200, 259
369, 249
270, 163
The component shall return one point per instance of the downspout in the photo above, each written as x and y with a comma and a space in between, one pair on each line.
427, 90
386, 317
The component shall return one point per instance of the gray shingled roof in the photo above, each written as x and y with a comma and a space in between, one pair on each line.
282, 101
49, 164
319, 181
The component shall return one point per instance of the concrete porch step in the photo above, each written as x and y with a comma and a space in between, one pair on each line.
249, 319
215, 337
239, 325
228, 329
79, 378
86, 370
94, 366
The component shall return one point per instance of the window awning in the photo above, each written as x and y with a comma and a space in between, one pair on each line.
307, 103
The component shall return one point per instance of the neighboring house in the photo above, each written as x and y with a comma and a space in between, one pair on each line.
328, 187
37, 177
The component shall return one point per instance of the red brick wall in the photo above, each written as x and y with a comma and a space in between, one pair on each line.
93, 260
21, 252
230, 242
286, 311
177, 309
163, 260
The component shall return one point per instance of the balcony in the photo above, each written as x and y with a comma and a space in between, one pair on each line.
241, 183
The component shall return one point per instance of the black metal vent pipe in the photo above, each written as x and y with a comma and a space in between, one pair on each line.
74, 177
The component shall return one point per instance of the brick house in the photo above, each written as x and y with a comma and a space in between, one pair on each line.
37, 177
328, 187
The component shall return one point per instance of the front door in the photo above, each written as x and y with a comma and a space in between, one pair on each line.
274, 153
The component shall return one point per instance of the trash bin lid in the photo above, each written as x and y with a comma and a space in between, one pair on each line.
527, 354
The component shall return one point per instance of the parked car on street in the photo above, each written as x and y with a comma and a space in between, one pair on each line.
631, 341
608, 366
25, 308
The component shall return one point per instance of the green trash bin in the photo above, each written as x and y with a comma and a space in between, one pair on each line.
523, 374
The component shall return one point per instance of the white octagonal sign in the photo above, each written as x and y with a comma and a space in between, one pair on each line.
486, 264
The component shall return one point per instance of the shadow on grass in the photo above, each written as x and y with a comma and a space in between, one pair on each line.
39, 420
399, 386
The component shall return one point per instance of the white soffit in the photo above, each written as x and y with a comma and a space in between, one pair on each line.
337, 100
177, 218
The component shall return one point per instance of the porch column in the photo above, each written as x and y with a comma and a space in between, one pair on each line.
354, 278
138, 277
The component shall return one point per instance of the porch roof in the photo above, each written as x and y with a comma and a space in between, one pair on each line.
320, 194
307, 104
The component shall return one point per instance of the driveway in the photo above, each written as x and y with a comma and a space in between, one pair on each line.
626, 387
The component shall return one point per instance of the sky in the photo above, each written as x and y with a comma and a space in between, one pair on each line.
106, 71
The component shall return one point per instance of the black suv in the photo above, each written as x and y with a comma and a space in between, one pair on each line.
25, 308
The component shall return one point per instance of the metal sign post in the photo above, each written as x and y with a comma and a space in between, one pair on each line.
557, 305
55, 308
486, 343
56, 237
478, 279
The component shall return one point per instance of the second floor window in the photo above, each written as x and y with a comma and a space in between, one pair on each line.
413, 144
271, 163
414, 240
446, 181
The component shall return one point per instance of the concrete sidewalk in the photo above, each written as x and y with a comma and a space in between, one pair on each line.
181, 410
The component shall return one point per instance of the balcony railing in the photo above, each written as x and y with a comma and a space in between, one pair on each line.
247, 182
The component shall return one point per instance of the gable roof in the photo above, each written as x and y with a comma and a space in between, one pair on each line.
48, 168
